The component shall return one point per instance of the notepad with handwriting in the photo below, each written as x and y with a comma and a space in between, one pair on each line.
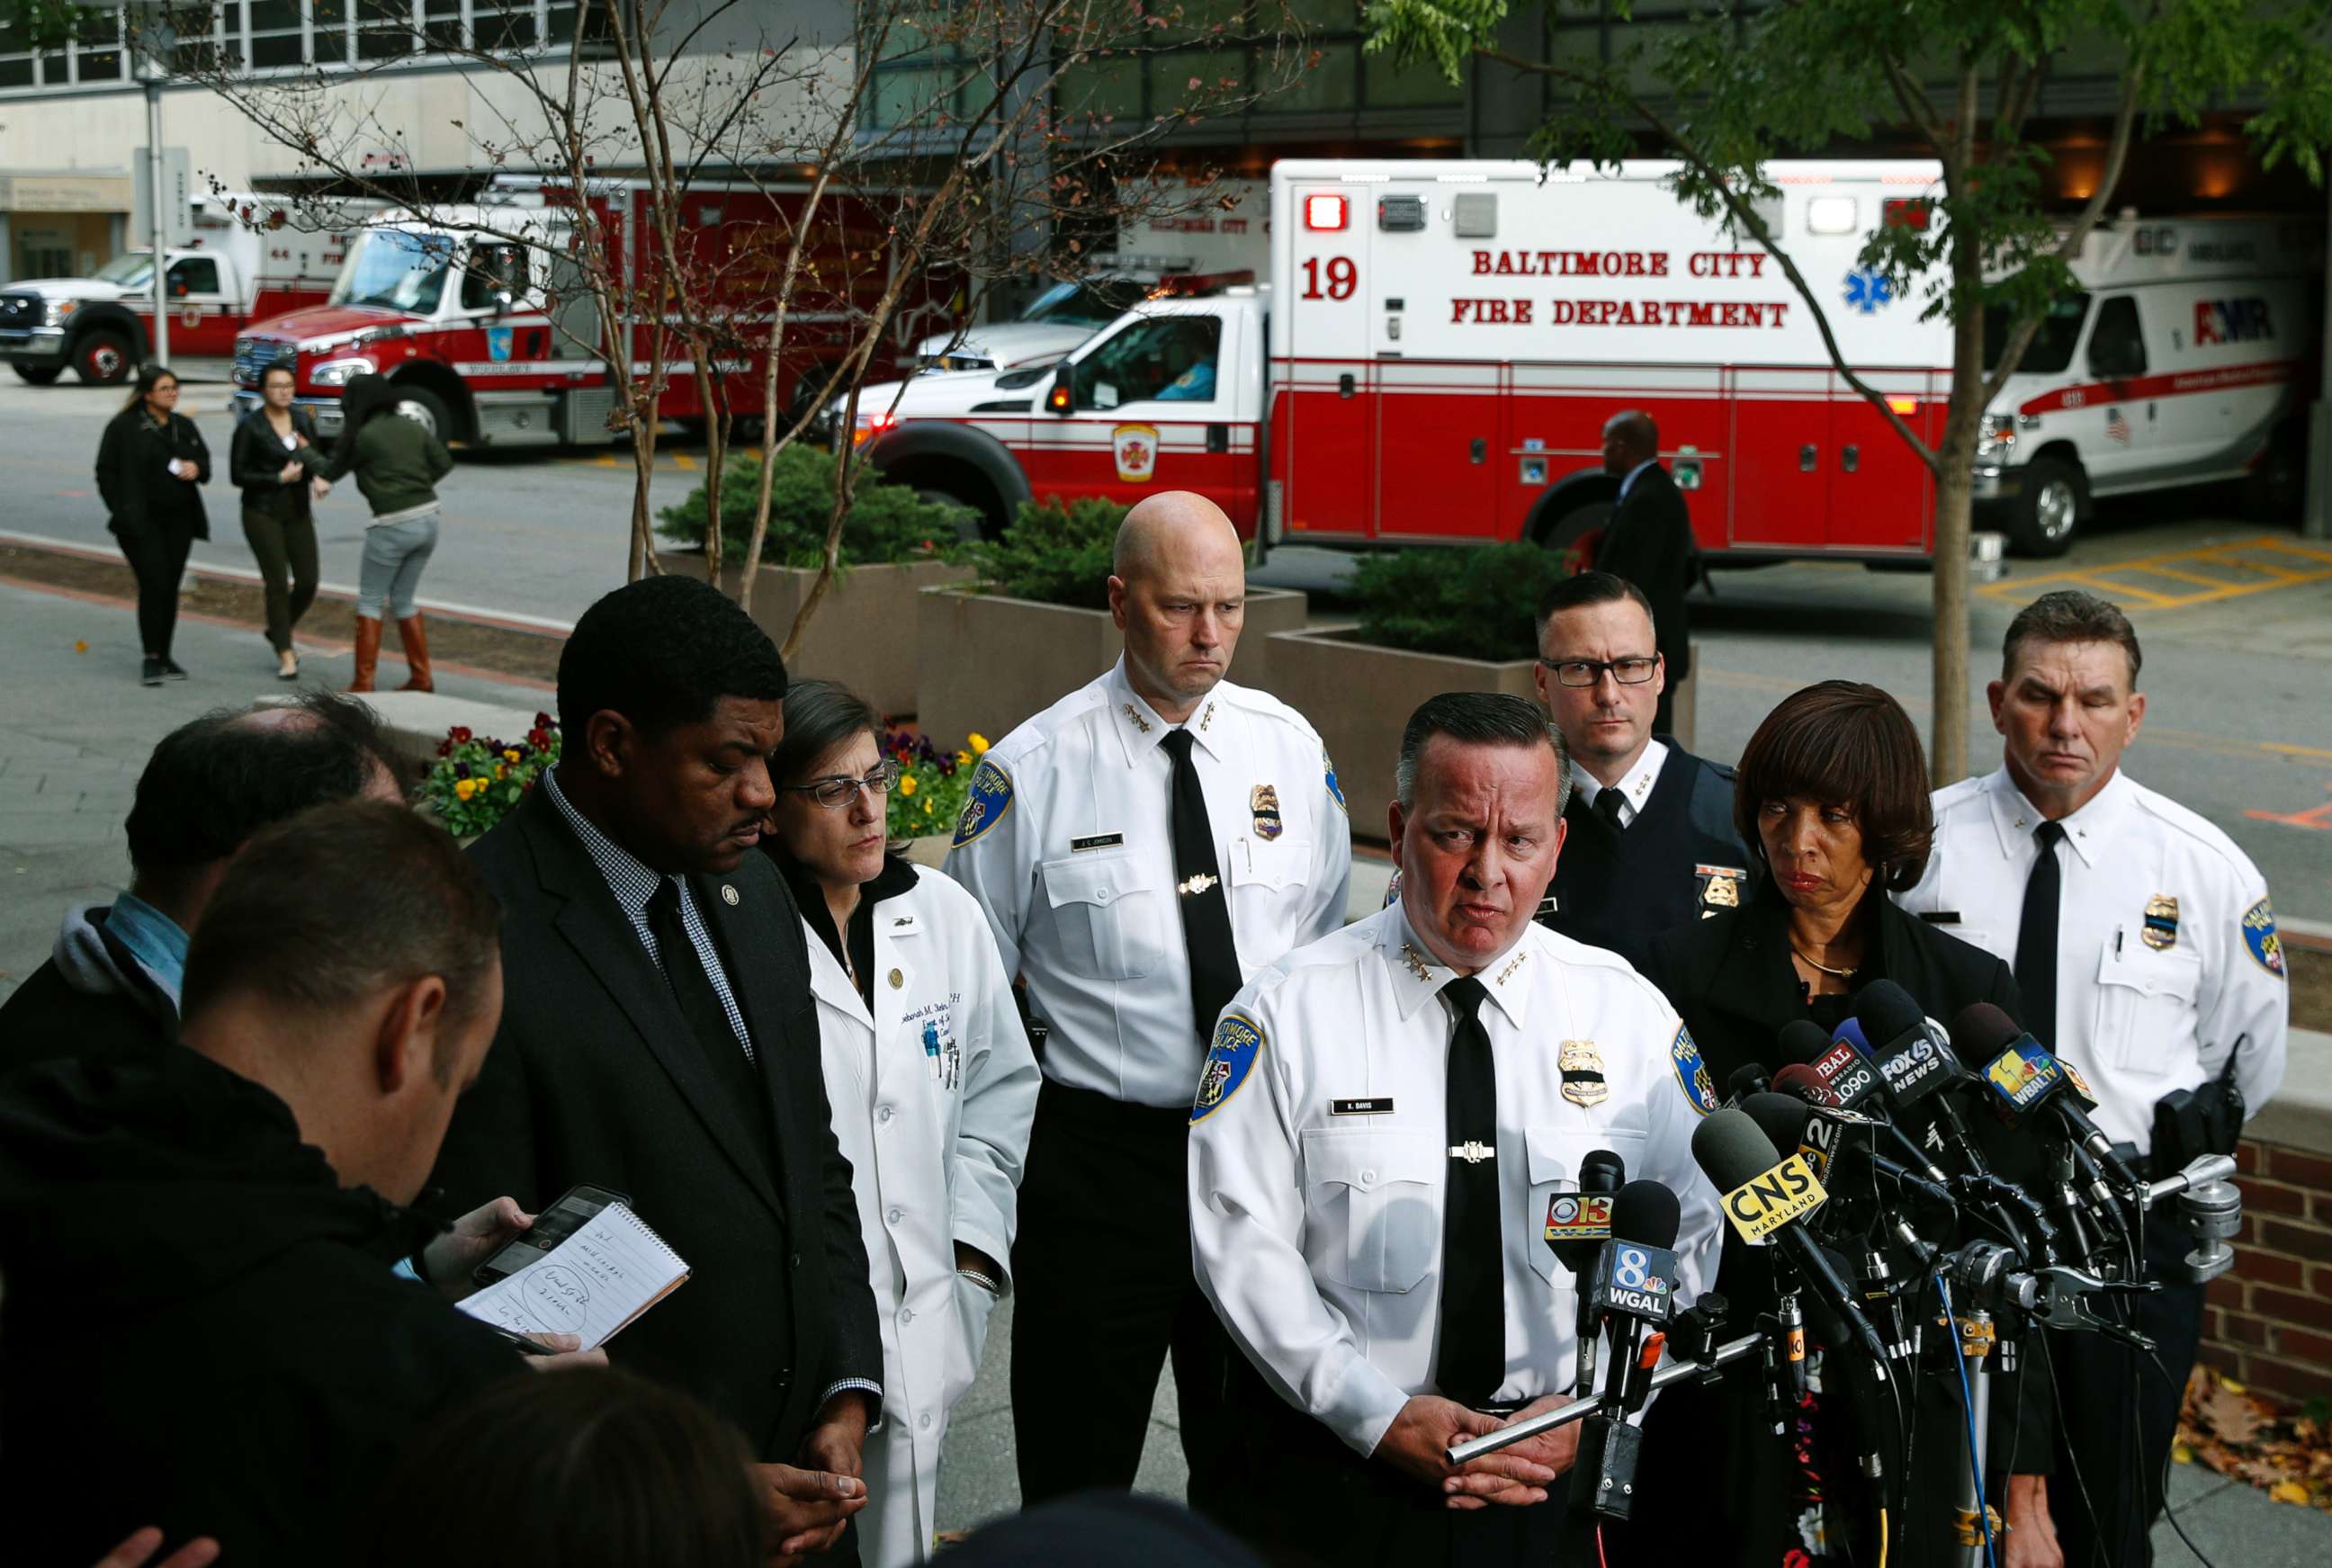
591, 1284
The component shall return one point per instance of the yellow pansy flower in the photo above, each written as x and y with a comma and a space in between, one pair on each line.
906, 783
508, 756
978, 743
465, 788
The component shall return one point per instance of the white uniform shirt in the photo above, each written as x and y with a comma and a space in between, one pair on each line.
1319, 1150
933, 1097
2166, 952
1634, 789
1067, 843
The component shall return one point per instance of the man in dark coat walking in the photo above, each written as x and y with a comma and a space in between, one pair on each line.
1648, 542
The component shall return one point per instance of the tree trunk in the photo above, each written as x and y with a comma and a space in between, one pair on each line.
1947, 745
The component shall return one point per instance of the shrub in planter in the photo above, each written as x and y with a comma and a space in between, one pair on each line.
476, 781
1476, 603
931, 785
1055, 552
888, 522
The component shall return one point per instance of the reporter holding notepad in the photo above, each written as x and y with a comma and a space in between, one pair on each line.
932, 1084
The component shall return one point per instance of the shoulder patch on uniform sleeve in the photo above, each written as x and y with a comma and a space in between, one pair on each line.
1692, 1072
1239, 1042
1335, 790
2258, 935
990, 799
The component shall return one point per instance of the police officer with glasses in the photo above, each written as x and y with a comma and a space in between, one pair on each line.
2146, 952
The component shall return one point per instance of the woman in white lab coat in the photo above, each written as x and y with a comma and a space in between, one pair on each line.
931, 1082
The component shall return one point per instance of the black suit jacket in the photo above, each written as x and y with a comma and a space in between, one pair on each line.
594, 1078
1648, 541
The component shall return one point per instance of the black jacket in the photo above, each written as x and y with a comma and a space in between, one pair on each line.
92, 998
201, 1330
141, 495
256, 457
1648, 541
1679, 860
594, 1078
1731, 979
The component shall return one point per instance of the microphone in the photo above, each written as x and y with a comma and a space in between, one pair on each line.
1577, 1226
1634, 1286
1746, 1080
1916, 1063
1801, 1040
2028, 1081
1787, 1123
1806, 1084
1767, 1198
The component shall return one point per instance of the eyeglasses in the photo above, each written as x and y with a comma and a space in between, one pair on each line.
833, 792
1587, 672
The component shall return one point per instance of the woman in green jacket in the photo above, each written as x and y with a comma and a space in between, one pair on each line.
398, 463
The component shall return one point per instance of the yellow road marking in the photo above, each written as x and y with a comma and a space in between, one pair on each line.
2101, 578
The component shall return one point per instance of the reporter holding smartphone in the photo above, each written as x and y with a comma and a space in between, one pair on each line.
148, 465
932, 1084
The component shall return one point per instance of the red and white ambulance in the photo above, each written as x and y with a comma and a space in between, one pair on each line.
480, 316
250, 257
1441, 342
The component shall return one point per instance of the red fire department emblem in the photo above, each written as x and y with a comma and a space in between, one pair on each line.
1135, 447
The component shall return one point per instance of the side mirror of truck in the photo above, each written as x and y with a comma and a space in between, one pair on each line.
1062, 397
502, 302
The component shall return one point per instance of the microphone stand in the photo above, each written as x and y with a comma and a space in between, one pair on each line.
1580, 1409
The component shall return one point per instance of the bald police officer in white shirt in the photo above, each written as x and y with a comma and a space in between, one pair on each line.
1140, 848
1384, 1117
2145, 952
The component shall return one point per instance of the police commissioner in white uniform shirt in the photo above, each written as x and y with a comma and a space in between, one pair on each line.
1319, 1149
2166, 949
1067, 842
933, 1096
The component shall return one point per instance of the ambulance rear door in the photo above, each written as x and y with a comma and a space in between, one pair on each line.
1323, 421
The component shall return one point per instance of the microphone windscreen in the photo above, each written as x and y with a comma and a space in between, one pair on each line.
1602, 1171
1801, 1040
1886, 1012
1646, 1213
1730, 1149
1802, 1081
1746, 1080
1781, 1117
1851, 1033
1981, 1032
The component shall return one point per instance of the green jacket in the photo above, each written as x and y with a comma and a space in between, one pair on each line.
396, 461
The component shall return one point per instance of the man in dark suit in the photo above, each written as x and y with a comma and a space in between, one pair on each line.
1648, 542
659, 1039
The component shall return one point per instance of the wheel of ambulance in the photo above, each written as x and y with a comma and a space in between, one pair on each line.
102, 359
970, 523
427, 408
2049, 507
40, 375
1573, 526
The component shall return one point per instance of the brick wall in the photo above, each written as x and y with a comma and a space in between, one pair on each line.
2269, 1323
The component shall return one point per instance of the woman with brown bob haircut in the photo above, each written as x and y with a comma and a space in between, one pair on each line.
1832, 796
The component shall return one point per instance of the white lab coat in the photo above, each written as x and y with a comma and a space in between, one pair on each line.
933, 1098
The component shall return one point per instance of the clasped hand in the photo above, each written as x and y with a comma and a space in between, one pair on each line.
1420, 1437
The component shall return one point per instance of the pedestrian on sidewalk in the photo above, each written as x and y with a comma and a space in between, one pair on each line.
278, 465
398, 463
148, 467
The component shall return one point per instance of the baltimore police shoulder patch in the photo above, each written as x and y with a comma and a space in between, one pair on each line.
1239, 1041
1692, 1072
990, 799
2258, 935
1335, 790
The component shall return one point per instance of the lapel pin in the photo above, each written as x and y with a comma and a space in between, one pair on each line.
728, 895
898, 979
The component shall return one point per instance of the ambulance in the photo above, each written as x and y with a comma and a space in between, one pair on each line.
482, 320
1440, 342
250, 257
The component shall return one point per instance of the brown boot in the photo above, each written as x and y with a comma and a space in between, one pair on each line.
416, 653
368, 653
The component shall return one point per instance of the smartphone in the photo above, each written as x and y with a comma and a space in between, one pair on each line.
554, 1225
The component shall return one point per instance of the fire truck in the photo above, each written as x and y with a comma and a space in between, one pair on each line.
479, 313
251, 257
1440, 343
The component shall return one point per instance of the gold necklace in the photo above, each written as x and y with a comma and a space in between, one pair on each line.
1847, 973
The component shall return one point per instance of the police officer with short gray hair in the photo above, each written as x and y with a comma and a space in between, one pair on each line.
2146, 954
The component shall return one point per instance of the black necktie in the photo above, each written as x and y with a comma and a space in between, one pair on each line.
1198, 889
1470, 1358
1608, 801
2036, 937
691, 988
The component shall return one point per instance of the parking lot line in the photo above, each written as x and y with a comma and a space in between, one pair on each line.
2104, 579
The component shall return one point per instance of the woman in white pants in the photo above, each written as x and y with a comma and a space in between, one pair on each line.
933, 1085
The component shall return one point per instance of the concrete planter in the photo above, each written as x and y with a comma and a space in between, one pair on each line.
864, 634
1359, 697
985, 663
